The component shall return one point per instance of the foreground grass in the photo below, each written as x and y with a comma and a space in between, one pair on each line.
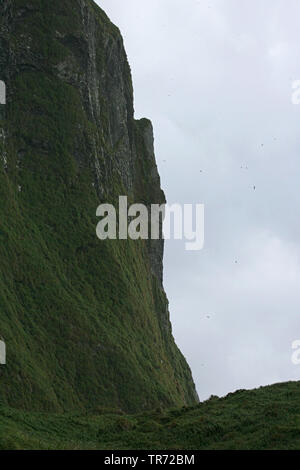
266, 418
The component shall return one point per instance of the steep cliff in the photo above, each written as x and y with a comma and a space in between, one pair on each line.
85, 321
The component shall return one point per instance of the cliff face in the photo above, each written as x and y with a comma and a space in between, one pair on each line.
86, 322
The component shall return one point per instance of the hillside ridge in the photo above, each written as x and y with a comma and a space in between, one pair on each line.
267, 418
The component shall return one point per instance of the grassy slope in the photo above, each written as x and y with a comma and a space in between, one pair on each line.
266, 418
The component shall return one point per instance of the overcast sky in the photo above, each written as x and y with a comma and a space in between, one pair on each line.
215, 78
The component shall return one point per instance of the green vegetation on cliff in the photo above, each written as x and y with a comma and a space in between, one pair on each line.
85, 322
